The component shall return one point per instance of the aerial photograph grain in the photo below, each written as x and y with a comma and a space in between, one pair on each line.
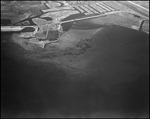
74, 59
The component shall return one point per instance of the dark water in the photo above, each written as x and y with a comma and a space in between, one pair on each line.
5, 21
42, 89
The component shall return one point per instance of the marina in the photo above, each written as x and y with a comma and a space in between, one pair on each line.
108, 10
91, 9
106, 6
81, 59
98, 8
79, 9
87, 10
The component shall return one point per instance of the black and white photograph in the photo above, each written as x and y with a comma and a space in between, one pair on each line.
74, 59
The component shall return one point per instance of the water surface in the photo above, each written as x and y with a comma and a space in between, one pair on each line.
115, 85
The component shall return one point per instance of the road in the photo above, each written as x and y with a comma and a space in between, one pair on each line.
143, 10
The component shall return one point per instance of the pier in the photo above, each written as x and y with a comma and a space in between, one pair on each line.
91, 9
107, 6
88, 12
94, 8
98, 8
100, 5
79, 9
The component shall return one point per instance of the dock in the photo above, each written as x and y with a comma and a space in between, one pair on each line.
101, 6
99, 9
93, 8
107, 6
79, 9
88, 12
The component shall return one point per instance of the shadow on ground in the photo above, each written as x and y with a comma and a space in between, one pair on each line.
117, 85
